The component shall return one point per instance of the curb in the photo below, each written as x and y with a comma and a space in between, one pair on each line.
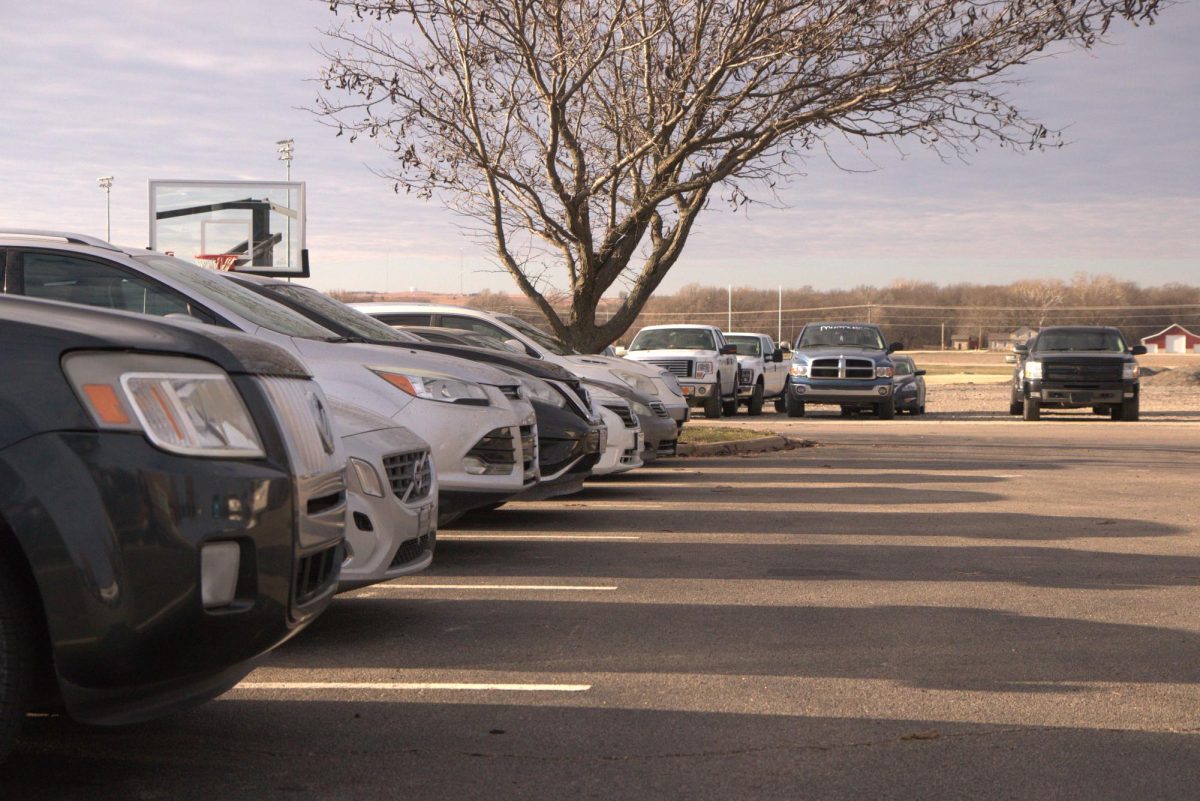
742, 446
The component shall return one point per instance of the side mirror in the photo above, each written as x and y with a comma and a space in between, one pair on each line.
777, 356
920, 372
728, 350
1010, 358
895, 346
1138, 350
620, 351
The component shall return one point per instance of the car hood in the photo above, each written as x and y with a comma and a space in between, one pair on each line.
808, 354
350, 419
401, 358
749, 361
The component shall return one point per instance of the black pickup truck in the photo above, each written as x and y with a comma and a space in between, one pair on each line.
1077, 367
171, 507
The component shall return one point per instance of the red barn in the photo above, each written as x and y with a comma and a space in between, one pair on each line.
1175, 339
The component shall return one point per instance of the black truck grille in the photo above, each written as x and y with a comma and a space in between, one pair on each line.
410, 474
315, 573
681, 368
1082, 375
412, 550
625, 413
497, 447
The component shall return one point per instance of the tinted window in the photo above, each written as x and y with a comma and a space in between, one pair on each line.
73, 279
903, 368
835, 334
1099, 341
746, 346
404, 319
539, 336
673, 339
477, 326
223, 293
325, 307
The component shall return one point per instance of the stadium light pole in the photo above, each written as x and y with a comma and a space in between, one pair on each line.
729, 323
106, 184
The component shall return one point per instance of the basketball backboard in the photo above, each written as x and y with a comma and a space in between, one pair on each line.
246, 226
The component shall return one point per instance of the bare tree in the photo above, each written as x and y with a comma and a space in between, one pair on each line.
584, 137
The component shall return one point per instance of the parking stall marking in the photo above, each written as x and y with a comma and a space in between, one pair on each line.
529, 537
409, 686
516, 587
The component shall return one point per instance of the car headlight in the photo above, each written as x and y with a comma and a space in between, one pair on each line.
884, 372
538, 389
909, 387
639, 383
1130, 371
671, 382
368, 478
434, 386
1033, 371
798, 370
182, 405
641, 409
703, 369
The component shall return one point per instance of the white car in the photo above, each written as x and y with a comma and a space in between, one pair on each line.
481, 429
762, 374
650, 381
625, 442
391, 510
698, 355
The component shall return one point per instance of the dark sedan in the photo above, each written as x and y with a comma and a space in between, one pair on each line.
164, 518
908, 384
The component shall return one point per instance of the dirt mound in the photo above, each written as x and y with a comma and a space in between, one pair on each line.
1172, 376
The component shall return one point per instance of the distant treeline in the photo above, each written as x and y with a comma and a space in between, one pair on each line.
919, 314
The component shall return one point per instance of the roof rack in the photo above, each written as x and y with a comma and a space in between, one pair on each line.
74, 239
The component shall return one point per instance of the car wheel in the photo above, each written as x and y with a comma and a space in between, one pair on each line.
754, 407
920, 409
16, 656
712, 407
1032, 409
794, 407
1103, 410
886, 410
847, 411
1127, 411
780, 405
729, 407
1016, 406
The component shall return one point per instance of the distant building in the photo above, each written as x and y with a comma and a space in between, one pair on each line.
1006, 341
1173, 339
964, 342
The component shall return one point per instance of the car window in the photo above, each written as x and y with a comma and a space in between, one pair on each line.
74, 279
482, 327
226, 294
321, 307
835, 334
903, 367
544, 340
404, 319
673, 339
1099, 341
746, 346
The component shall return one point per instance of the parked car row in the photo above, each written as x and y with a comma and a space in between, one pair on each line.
258, 447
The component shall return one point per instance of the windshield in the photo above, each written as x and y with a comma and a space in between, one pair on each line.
1099, 341
537, 335
746, 346
673, 339
339, 314
834, 334
237, 299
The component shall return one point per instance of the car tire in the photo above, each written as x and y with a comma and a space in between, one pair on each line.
920, 409
847, 411
712, 407
1016, 406
17, 655
794, 407
1103, 410
1032, 409
781, 405
755, 404
729, 406
886, 409
1128, 411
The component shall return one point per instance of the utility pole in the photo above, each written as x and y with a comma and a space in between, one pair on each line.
460, 271
943, 339
106, 184
780, 314
729, 325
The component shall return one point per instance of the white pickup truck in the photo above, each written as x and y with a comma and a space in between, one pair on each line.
697, 355
762, 373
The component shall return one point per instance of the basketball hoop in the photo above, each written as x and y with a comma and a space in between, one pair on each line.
223, 262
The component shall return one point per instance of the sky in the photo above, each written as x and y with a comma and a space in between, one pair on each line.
142, 89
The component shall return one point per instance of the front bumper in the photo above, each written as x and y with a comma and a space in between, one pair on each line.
697, 392
840, 392
1066, 397
117, 561
624, 451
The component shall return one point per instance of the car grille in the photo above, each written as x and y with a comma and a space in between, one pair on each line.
412, 550
529, 452
315, 574
854, 369
667, 447
1082, 375
745, 377
629, 456
659, 408
511, 391
496, 448
625, 413
410, 474
681, 368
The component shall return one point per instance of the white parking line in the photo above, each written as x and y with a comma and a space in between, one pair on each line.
407, 685
554, 587
524, 537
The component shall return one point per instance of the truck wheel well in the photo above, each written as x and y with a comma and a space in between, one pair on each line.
45, 689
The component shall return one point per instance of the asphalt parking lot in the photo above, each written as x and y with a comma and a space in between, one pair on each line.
911, 609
